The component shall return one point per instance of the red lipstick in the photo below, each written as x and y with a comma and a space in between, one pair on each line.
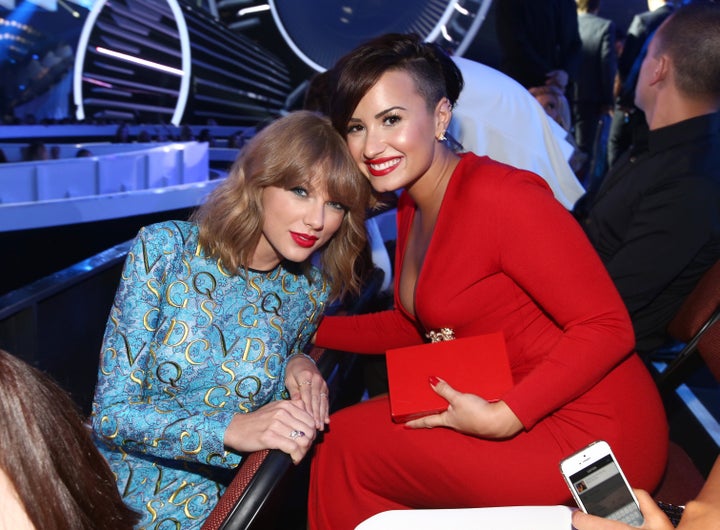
379, 167
303, 240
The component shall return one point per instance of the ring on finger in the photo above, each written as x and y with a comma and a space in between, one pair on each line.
306, 382
296, 434
323, 394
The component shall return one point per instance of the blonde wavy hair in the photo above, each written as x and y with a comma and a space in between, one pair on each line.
288, 153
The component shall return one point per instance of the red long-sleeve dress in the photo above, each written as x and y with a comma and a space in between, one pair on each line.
505, 255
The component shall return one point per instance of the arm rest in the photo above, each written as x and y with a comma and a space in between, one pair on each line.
255, 480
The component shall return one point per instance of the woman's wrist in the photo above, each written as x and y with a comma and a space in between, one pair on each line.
290, 359
505, 419
300, 354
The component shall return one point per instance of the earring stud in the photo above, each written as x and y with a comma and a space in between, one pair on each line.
442, 137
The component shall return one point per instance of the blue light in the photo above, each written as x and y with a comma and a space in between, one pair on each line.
23, 13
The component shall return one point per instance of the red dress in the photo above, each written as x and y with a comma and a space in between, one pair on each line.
505, 255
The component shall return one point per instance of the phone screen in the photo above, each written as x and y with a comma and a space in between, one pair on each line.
603, 491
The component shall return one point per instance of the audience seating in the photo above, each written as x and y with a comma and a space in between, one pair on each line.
15, 152
18, 185
56, 323
148, 167
65, 179
696, 326
66, 191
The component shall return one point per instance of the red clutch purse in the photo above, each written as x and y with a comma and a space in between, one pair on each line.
477, 364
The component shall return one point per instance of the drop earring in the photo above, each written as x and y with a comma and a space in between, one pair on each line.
441, 137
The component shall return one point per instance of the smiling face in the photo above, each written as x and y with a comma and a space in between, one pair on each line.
392, 134
296, 223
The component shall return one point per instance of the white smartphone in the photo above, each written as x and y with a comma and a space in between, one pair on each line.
599, 486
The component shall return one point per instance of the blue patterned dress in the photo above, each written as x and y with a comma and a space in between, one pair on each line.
186, 347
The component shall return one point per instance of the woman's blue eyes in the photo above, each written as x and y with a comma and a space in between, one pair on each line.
337, 205
302, 192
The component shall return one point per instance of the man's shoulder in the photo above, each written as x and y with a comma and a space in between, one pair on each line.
595, 20
591, 25
693, 142
686, 166
650, 20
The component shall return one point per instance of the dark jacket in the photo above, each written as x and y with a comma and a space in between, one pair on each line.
537, 37
594, 80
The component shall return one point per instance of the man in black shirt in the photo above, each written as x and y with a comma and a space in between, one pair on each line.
655, 221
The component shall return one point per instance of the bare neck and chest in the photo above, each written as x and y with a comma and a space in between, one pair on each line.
428, 201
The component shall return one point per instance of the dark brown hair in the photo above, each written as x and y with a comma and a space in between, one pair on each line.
433, 71
49, 456
287, 153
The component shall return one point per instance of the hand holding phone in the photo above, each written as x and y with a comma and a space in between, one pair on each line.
599, 486
658, 516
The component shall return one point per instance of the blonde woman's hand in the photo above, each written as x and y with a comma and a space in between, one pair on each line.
470, 414
282, 424
306, 384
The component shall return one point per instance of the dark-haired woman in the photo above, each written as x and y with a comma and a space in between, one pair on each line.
482, 247
52, 476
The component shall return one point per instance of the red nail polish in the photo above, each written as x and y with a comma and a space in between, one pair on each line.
433, 380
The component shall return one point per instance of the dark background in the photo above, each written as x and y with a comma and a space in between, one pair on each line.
373, 17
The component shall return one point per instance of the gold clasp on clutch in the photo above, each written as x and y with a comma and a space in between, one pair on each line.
441, 334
